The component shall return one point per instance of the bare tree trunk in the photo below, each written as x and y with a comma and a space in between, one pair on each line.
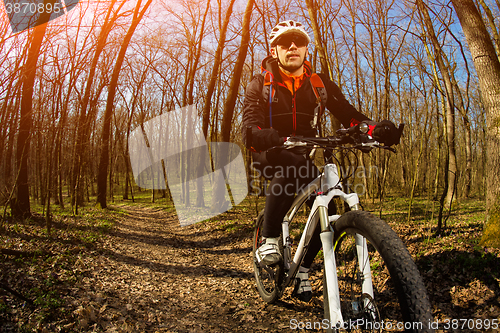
468, 156
84, 119
194, 53
323, 58
230, 102
21, 207
493, 26
126, 155
215, 70
207, 105
468, 139
488, 70
321, 49
423, 140
200, 201
10, 153
450, 107
234, 86
108, 114
7, 151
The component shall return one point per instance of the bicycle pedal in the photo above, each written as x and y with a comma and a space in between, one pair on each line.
305, 295
268, 269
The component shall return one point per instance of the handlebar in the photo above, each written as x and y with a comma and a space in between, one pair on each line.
354, 137
334, 142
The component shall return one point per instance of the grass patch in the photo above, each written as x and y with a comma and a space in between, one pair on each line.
231, 226
41, 264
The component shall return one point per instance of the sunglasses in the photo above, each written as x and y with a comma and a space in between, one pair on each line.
286, 41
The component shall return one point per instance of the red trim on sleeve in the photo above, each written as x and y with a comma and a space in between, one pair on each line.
371, 128
354, 122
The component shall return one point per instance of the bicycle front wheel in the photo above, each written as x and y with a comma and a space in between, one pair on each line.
398, 300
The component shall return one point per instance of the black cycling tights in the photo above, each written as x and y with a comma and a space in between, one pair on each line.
288, 172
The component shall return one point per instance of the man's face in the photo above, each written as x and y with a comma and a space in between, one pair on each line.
291, 51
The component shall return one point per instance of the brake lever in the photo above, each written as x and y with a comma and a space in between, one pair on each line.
376, 144
292, 142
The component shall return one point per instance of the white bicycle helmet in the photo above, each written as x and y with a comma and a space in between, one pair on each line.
285, 28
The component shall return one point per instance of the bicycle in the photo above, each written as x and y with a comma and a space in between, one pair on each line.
369, 277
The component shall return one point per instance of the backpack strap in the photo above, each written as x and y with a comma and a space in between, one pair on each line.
268, 92
269, 95
319, 88
321, 98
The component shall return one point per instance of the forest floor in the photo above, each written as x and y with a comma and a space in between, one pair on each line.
134, 269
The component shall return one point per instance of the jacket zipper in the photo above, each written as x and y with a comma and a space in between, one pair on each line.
294, 109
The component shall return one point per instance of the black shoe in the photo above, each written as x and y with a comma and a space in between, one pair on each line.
303, 289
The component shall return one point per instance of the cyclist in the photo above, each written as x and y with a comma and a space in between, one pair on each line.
286, 79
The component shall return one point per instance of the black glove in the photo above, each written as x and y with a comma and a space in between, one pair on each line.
387, 133
263, 139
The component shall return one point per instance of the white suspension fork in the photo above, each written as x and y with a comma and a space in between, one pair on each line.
331, 281
286, 244
364, 266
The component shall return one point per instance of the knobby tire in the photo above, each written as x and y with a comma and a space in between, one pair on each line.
268, 287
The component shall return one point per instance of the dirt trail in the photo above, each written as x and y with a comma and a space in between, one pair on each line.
155, 276
147, 274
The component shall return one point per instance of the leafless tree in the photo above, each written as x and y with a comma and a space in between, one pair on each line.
488, 70
104, 158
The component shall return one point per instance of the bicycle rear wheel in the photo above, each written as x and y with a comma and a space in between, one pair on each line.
399, 301
268, 279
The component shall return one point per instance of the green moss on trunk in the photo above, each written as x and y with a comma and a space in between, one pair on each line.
491, 233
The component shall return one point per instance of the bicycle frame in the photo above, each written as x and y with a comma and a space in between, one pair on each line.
327, 186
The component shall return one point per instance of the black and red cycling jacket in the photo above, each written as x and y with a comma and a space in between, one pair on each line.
292, 113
